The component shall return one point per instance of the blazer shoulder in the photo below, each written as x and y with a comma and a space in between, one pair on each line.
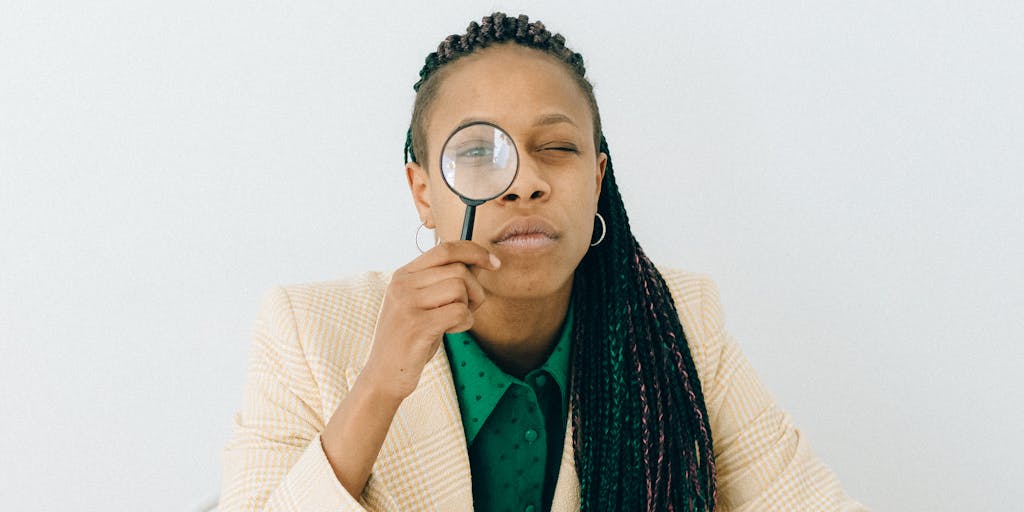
334, 320
688, 288
700, 312
313, 295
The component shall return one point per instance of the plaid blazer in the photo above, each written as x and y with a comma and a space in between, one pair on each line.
311, 340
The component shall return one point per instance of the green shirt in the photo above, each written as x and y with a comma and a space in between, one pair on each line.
514, 427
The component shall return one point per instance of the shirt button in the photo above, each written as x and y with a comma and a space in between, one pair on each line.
529, 508
530, 435
541, 380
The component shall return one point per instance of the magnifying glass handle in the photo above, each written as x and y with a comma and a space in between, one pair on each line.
467, 222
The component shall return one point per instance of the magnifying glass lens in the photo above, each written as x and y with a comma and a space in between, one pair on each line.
479, 162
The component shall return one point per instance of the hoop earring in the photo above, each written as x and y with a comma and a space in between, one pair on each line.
604, 230
436, 240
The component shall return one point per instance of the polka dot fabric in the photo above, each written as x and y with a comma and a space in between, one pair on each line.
514, 427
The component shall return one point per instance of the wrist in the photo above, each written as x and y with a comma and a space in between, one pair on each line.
377, 389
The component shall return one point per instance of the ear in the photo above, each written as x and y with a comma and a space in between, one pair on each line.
419, 186
602, 162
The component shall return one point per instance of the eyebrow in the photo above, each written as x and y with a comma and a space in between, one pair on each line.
543, 120
553, 119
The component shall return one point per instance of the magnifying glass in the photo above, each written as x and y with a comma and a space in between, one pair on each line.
479, 162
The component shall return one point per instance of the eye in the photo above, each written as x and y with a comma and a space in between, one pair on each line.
475, 151
566, 148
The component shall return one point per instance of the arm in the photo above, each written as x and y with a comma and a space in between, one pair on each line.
353, 437
763, 461
275, 459
282, 456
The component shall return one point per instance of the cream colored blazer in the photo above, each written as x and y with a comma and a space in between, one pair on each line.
311, 340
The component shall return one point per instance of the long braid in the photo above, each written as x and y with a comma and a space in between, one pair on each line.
641, 433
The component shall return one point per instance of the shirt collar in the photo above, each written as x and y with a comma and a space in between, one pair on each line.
480, 384
557, 365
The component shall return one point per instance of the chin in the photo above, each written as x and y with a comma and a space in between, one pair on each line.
525, 279
524, 282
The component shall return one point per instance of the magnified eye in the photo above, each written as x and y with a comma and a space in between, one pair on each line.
475, 151
475, 154
479, 161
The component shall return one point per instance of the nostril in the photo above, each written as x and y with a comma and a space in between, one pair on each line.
511, 197
536, 194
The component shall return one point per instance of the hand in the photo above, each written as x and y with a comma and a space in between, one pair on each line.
434, 294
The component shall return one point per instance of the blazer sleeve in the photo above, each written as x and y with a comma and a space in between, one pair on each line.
763, 461
274, 459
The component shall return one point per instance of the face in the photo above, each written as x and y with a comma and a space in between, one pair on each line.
542, 226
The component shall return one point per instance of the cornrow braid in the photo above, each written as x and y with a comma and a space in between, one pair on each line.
496, 28
641, 434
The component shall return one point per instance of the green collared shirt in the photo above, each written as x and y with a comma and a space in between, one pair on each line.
514, 427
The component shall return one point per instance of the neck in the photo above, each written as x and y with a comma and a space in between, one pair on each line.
518, 334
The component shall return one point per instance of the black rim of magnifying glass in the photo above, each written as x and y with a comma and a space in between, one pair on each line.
471, 204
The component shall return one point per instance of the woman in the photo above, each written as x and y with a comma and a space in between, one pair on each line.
544, 365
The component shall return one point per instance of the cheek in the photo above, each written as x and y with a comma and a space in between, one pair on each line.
585, 226
447, 210
582, 210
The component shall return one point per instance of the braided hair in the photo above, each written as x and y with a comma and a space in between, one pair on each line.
641, 434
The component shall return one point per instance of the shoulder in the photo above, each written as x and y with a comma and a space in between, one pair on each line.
331, 321
695, 292
696, 298
351, 296
686, 286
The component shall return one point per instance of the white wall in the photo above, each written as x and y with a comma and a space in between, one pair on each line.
849, 172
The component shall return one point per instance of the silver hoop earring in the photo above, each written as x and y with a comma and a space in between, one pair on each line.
422, 225
604, 229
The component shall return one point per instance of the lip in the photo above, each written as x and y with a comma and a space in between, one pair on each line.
526, 233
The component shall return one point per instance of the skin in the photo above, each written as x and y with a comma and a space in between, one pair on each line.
512, 299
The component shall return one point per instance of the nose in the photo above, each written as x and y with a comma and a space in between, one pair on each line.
529, 186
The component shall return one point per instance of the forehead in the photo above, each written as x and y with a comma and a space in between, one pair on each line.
509, 85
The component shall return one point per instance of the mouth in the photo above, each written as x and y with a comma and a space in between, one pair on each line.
527, 233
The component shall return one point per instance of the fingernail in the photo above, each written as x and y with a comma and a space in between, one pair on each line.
495, 262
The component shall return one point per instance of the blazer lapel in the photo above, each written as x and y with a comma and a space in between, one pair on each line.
424, 463
567, 488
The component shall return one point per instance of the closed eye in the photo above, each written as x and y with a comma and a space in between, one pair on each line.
567, 149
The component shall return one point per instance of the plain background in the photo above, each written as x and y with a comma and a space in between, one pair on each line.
850, 173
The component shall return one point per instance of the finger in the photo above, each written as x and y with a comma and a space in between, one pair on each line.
442, 293
429, 277
474, 291
461, 251
451, 318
